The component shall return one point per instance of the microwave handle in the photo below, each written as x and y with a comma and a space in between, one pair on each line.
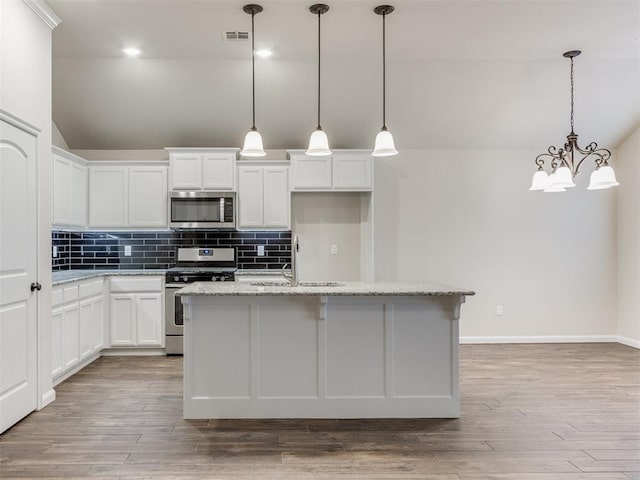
222, 209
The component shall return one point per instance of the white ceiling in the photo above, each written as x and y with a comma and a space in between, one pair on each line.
460, 74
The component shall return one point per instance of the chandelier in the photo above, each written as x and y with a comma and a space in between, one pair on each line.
565, 162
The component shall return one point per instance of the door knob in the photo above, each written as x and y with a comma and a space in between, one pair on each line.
36, 286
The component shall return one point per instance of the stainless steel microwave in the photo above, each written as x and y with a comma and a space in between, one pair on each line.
202, 210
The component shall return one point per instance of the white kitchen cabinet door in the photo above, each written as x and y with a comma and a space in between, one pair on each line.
62, 191
57, 366
352, 171
250, 197
108, 196
147, 196
79, 198
96, 336
70, 340
218, 171
185, 170
149, 319
123, 319
85, 320
276, 197
310, 173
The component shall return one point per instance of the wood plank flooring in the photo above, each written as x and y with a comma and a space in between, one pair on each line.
529, 412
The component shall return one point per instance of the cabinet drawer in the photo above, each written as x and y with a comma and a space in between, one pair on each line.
56, 297
70, 294
137, 284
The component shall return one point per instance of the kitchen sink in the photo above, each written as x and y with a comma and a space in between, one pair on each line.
276, 283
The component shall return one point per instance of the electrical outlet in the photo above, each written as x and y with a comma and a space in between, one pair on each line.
55, 251
127, 250
499, 310
261, 250
334, 249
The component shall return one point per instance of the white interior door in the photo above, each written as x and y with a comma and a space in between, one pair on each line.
18, 248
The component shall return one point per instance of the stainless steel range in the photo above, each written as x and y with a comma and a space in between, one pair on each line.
200, 264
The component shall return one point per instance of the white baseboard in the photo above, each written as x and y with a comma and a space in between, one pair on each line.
543, 339
630, 342
47, 398
134, 352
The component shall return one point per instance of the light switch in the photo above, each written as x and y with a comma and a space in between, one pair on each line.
127, 250
55, 251
261, 250
334, 249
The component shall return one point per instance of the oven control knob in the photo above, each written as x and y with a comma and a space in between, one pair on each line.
222, 278
185, 279
176, 279
213, 279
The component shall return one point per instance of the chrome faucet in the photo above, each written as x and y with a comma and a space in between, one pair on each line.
293, 276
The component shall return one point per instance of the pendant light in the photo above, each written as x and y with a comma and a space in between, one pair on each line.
567, 160
318, 142
384, 146
253, 140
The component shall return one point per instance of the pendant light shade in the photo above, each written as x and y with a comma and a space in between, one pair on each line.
318, 142
562, 178
384, 146
253, 140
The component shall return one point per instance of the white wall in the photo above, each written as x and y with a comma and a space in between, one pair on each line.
57, 138
25, 80
627, 166
321, 220
466, 218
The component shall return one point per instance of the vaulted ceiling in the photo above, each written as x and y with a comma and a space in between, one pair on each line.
460, 74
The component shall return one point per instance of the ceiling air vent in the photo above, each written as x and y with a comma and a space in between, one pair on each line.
235, 35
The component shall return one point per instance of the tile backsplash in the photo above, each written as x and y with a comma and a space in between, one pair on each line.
157, 250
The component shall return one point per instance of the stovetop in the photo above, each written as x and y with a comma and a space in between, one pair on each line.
191, 270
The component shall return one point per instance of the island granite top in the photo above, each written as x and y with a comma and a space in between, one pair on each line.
317, 288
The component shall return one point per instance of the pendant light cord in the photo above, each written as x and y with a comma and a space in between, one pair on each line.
253, 71
319, 127
384, 74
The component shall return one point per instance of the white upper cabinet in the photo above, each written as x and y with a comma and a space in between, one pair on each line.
344, 170
127, 196
351, 171
147, 197
310, 173
108, 196
202, 169
69, 189
263, 197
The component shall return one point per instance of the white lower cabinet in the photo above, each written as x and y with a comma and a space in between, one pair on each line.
77, 324
136, 306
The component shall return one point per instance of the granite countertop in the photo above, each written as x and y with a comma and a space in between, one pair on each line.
317, 289
68, 276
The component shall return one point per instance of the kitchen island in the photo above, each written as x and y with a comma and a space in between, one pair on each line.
321, 350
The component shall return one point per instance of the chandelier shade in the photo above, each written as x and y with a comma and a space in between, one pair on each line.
565, 162
253, 140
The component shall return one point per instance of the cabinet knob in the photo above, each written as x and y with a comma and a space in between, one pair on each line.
36, 286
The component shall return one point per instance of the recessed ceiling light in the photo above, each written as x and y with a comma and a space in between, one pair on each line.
132, 51
264, 53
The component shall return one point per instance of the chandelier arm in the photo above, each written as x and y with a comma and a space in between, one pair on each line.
552, 157
600, 155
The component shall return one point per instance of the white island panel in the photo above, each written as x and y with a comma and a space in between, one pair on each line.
320, 356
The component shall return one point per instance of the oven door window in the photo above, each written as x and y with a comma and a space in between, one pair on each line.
191, 210
178, 318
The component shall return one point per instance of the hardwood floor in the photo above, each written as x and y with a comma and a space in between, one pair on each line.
529, 412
